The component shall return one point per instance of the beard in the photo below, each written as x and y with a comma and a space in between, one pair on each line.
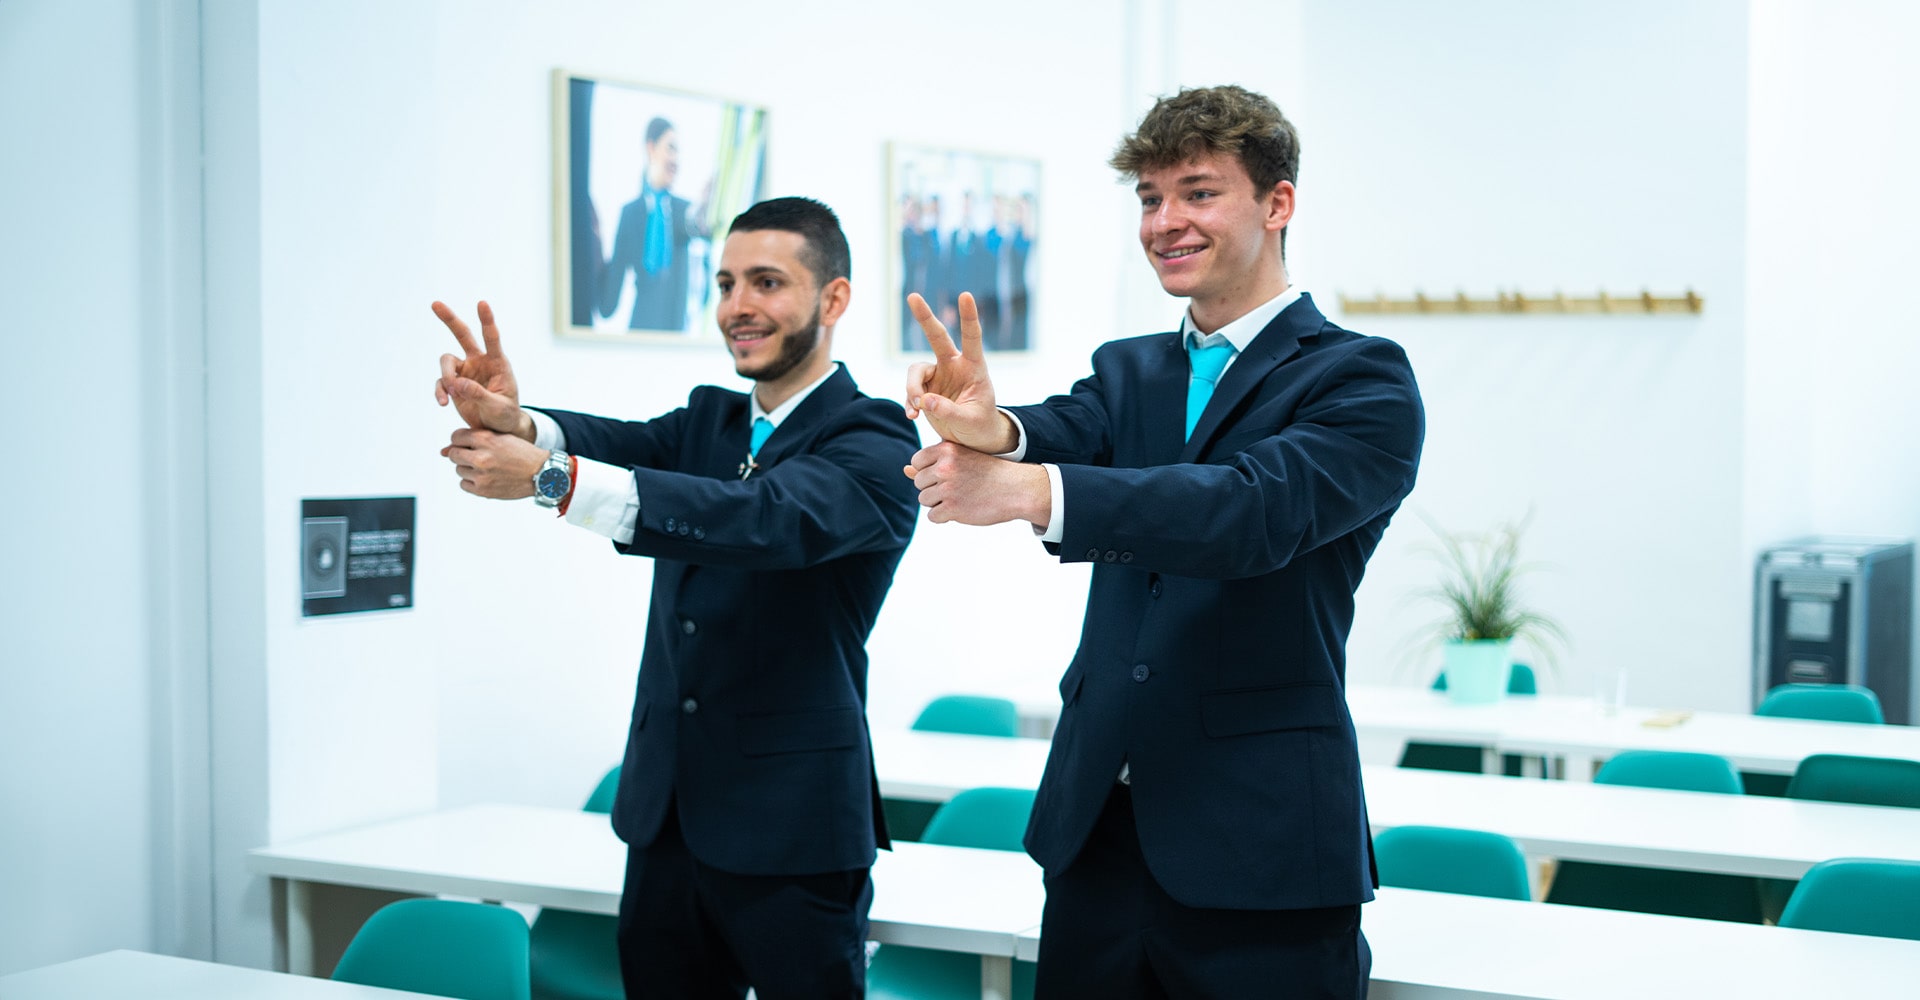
794, 348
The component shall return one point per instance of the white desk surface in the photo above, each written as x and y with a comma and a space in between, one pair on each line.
1564, 726
1440, 946
138, 974
1436, 945
571, 860
1733, 834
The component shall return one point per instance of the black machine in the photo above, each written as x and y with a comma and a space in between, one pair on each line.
1837, 611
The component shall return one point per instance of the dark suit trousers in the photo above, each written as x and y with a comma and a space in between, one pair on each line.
689, 931
1110, 931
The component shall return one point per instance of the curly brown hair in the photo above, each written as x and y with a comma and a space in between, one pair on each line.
1225, 119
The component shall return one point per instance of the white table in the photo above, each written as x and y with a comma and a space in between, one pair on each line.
1440, 946
1729, 834
926, 896
137, 974
1574, 729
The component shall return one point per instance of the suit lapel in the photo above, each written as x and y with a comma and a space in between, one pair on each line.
799, 425
1268, 351
1165, 387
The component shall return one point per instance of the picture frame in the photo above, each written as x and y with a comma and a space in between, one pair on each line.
623, 270
961, 220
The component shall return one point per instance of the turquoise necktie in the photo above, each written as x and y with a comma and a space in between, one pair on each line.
1208, 362
657, 250
762, 430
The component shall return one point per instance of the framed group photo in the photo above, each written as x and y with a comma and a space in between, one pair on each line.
963, 222
645, 182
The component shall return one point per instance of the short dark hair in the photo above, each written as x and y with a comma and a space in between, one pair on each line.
657, 128
1227, 119
824, 247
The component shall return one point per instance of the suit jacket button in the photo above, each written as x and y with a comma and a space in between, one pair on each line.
1093, 555
699, 534
687, 626
1141, 673
684, 530
670, 524
1153, 589
1112, 555
1126, 557
689, 706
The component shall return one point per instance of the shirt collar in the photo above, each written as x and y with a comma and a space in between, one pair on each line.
784, 410
1241, 331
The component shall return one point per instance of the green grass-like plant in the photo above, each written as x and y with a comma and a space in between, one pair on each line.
1479, 589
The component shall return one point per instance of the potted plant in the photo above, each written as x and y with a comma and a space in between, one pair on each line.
1484, 614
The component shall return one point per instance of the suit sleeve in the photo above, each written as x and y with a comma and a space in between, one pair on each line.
652, 443
843, 495
1345, 456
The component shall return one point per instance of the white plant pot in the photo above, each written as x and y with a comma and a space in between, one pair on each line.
1477, 670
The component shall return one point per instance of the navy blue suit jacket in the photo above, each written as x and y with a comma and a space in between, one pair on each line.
1213, 656
750, 714
659, 300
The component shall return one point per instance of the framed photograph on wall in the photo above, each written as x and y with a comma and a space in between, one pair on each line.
645, 181
963, 222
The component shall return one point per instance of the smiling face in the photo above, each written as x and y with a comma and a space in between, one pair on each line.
1212, 238
776, 321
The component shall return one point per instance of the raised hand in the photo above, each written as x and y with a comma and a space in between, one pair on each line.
955, 392
481, 385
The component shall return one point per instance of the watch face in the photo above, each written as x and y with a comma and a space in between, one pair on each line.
551, 483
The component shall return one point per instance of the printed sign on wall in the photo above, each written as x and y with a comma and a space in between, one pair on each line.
356, 555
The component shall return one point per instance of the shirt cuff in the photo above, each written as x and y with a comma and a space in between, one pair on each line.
606, 501
546, 431
1019, 441
1057, 524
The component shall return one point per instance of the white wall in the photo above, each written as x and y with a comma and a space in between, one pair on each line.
1833, 213
102, 609
1503, 144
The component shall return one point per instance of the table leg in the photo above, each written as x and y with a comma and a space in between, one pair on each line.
295, 934
996, 977
1489, 760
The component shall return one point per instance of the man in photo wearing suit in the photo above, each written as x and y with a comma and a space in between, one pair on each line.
776, 519
651, 241
1201, 821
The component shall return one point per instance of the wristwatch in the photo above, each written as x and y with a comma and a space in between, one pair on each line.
554, 480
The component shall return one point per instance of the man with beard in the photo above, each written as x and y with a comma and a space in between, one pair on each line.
776, 519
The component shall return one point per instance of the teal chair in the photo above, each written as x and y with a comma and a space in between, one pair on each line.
1828, 702
1872, 781
576, 956
1453, 757
972, 715
990, 818
441, 947
1858, 896
1662, 890
1442, 859
1833, 777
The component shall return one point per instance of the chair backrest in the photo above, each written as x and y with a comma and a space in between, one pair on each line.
971, 714
1520, 681
1692, 772
993, 818
1873, 781
1831, 702
440, 946
1858, 896
601, 801
1443, 859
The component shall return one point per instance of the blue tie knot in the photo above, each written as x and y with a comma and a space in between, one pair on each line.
762, 430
